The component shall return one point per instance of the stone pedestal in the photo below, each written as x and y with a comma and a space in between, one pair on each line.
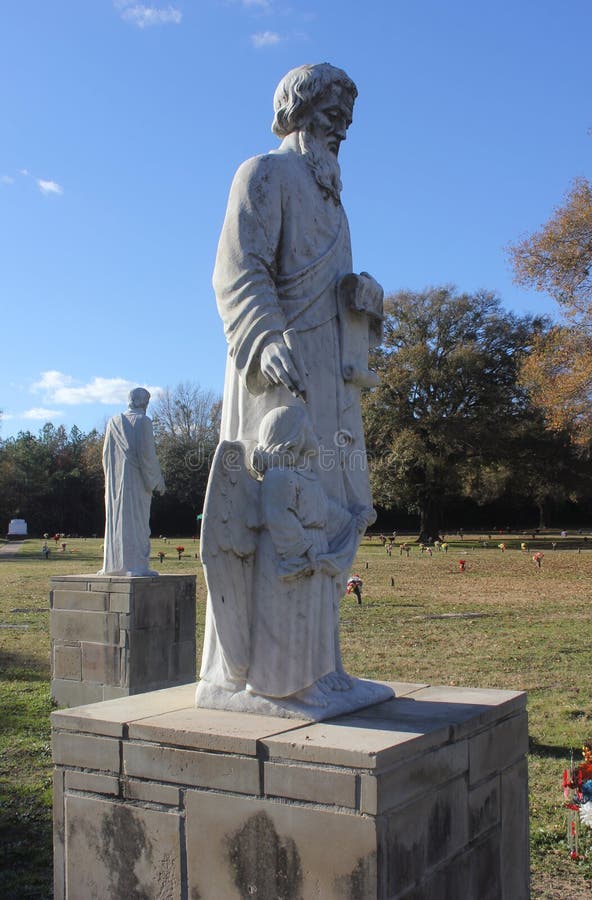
422, 797
112, 636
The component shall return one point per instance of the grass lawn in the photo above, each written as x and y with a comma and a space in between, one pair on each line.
502, 623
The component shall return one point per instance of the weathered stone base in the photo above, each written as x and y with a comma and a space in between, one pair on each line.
421, 797
112, 636
333, 703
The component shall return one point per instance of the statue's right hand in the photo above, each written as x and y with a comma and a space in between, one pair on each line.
278, 367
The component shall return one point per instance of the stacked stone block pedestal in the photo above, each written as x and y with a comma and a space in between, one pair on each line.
112, 636
422, 797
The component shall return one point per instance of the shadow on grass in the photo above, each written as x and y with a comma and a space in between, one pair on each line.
548, 751
16, 666
25, 845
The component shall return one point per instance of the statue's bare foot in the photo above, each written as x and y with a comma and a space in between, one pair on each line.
311, 696
336, 681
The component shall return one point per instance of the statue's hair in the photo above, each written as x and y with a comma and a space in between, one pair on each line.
138, 398
279, 432
300, 89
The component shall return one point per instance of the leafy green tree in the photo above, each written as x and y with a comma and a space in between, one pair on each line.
25, 478
547, 468
53, 480
449, 411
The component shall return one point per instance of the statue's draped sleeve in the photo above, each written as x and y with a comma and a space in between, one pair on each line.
246, 266
146, 455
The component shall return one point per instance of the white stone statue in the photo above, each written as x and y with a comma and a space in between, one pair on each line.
299, 325
132, 473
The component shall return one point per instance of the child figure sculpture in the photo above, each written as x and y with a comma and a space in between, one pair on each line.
279, 653
305, 542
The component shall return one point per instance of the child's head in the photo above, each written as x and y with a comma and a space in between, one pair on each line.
284, 434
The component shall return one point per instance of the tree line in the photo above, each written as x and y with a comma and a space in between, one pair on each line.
452, 427
55, 479
477, 409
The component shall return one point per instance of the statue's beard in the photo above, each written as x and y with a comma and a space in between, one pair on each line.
323, 163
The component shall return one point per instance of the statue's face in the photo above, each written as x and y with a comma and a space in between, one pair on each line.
331, 118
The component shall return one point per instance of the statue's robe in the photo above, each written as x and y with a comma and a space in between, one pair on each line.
293, 626
132, 472
284, 245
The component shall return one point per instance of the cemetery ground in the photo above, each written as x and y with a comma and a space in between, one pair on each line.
503, 622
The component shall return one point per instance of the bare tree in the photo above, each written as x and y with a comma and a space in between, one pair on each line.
187, 413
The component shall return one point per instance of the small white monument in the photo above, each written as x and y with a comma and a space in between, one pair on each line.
132, 473
17, 530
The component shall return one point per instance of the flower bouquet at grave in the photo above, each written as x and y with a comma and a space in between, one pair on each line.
180, 550
354, 586
577, 791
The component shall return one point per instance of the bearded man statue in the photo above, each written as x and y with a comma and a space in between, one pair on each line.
291, 307
284, 247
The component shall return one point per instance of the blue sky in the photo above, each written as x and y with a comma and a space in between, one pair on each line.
122, 123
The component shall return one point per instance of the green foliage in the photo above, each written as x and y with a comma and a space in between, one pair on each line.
25, 784
53, 480
450, 418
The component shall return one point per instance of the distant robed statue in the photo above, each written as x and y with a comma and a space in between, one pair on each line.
132, 474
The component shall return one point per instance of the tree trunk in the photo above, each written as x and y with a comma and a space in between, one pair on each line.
429, 522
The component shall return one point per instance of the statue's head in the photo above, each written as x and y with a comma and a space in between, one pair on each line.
139, 398
318, 98
285, 433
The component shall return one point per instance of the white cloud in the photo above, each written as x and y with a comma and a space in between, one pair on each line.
259, 4
40, 413
144, 16
49, 187
58, 387
265, 39
6, 179
24, 172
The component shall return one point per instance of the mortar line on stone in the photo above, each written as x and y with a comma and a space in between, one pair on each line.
124, 737
331, 767
261, 762
183, 846
125, 801
139, 742
282, 801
